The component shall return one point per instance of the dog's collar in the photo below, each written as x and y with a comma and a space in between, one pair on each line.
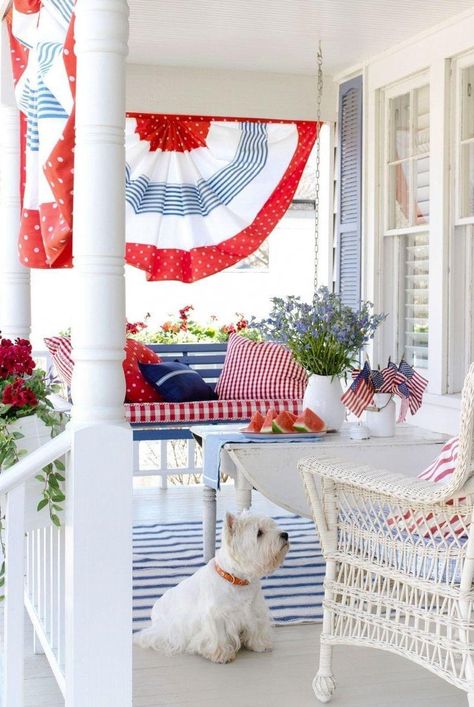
230, 577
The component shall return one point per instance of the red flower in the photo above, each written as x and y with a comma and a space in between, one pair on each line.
135, 327
18, 395
15, 358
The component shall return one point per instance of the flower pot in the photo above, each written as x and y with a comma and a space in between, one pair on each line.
381, 419
35, 434
323, 396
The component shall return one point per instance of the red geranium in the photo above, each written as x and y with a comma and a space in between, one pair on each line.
19, 395
15, 358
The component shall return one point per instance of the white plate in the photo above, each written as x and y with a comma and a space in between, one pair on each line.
277, 437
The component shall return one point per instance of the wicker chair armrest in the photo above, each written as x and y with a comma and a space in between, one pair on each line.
387, 483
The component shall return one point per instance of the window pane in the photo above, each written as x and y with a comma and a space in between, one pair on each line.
414, 254
421, 138
467, 179
399, 195
400, 122
467, 87
422, 190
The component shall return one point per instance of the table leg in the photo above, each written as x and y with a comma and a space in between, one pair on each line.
243, 493
209, 523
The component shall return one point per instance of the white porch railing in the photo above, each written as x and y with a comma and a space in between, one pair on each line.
41, 560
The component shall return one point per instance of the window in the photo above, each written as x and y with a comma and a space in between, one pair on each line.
465, 140
406, 179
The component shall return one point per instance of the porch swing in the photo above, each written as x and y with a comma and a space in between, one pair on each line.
261, 159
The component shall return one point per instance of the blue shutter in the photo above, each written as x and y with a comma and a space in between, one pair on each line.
349, 193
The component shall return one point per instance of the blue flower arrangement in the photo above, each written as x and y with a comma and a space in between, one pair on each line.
325, 336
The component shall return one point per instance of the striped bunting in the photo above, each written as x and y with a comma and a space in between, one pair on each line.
47, 53
165, 554
206, 195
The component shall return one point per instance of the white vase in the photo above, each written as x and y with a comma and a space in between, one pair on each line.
35, 433
323, 396
381, 421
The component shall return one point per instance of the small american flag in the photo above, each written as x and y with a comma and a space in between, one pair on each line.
361, 393
415, 383
389, 374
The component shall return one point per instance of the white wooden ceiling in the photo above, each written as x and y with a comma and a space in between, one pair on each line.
276, 35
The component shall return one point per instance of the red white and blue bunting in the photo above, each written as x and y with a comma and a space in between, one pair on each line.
202, 193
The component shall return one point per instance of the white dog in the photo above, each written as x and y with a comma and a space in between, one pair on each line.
221, 607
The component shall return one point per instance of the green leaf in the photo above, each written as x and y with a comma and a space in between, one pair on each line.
42, 504
2, 582
59, 477
58, 497
59, 465
55, 520
53, 482
38, 477
18, 435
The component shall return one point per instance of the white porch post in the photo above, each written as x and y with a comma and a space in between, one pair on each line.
15, 317
99, 491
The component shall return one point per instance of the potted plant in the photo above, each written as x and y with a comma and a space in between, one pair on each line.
28, 420
325, 336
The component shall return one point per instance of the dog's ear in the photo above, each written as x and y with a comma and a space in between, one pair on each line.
230, 522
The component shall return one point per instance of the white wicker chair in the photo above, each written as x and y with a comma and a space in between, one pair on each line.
386, 585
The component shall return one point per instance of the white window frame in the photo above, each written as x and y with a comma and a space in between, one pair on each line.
392, 288
401, 87
460, 63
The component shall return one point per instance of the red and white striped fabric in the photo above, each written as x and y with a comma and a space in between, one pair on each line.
205, 410
255, 370
439, 471
444, 465
60, 348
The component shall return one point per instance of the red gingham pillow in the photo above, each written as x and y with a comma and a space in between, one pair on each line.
137, 389
259, 369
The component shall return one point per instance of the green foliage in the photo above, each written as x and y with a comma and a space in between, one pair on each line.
25, 391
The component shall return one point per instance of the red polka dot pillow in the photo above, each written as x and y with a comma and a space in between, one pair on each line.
258, 370
137, 388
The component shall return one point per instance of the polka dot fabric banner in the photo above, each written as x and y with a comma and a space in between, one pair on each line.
202, 193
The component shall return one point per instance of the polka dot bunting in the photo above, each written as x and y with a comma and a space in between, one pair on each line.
45, 239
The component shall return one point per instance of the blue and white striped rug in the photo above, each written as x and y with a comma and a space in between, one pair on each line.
164, 554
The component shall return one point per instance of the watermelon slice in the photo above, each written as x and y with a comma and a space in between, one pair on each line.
308, 421
255, 423
267, 423
283, 423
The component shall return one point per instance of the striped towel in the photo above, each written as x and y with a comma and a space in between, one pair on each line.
165, 554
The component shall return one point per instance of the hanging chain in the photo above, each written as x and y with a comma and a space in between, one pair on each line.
319, 95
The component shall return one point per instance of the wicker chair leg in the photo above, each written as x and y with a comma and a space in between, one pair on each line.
324, 683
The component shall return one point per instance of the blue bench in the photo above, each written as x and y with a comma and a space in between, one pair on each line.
208, 359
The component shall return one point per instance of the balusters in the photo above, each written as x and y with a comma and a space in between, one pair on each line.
14, 611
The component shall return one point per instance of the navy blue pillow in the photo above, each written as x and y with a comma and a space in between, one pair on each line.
176, 382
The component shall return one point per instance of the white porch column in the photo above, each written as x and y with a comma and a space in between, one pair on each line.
15, 316
99, 487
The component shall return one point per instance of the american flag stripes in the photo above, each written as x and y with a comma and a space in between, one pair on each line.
401, 380
361, 393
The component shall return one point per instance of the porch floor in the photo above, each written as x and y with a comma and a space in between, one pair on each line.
365, 678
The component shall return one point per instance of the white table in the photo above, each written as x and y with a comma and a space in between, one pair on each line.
271, 467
